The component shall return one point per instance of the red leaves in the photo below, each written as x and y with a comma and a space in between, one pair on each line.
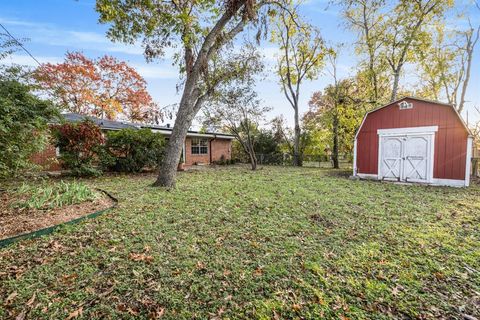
104, 86
79, 138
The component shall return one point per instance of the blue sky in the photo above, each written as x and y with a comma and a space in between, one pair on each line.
54, 27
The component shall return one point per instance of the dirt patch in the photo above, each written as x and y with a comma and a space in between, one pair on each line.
16, 221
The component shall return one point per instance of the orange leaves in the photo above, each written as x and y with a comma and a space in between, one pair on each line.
140, 257
103, 87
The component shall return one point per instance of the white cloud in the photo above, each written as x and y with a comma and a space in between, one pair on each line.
49, 34
151, 71
26, 60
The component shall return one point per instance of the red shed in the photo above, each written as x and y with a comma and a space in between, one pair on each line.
414, 140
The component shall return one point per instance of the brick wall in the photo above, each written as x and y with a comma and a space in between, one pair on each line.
221, 147
47, 159
217, 147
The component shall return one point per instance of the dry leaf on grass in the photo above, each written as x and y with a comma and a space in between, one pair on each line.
21, 315
140, 257
75, 314
10, 297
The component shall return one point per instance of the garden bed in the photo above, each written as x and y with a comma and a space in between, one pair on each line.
31, 208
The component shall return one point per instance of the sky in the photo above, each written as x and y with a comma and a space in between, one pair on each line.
53, 27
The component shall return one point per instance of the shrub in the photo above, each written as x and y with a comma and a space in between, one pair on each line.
47, 196
80, 144
130, 150
23, 125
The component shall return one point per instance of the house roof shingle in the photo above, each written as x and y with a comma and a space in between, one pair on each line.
118, 125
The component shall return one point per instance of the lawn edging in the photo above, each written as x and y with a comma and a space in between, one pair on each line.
48, 230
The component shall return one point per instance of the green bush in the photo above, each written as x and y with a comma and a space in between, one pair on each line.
47, 196
130, 150
23, 124
80, 144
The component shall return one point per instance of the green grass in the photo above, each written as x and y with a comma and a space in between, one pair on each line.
48, 196
277, 243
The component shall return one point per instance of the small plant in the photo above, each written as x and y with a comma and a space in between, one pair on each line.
48, 196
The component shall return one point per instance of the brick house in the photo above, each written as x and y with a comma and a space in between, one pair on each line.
199, 147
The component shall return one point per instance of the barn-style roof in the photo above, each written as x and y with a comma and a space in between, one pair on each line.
417, 99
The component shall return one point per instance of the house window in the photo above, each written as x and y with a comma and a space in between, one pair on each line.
199, 146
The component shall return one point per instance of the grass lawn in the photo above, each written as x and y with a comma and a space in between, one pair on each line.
277, 243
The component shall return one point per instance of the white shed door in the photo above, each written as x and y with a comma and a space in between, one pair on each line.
391, 158
416, 158
406, 158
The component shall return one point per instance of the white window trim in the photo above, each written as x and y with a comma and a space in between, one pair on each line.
407, 131
200, 147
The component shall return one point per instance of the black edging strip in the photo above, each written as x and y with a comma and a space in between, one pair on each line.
48, 230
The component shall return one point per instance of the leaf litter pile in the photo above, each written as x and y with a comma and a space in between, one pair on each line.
279, 243
36, 206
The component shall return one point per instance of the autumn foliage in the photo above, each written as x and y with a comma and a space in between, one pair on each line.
103, 87
79, 145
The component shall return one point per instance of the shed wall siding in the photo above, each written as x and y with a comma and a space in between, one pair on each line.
450, 140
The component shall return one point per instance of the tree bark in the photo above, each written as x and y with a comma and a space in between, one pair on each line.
335, 142
396, 80
253, 161
470, 47
183, 121
297, 157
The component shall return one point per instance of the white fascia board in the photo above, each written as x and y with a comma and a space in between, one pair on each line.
199, 135
407, 131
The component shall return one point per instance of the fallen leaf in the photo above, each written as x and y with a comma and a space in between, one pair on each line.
140, 257
10, 297
32, 299
21, 315
258, 272
157, 314
75, 314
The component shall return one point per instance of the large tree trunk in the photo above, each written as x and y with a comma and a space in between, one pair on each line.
396, 80
297, 159
183, 121
253, 160
335, 142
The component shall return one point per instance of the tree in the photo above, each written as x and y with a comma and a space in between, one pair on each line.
391, 35
406, 32
333, 118
23, 123
365, 17
446, 65
103, 87
201, 30
238, 110
302, 54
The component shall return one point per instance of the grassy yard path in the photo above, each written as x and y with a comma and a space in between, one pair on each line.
277, 243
